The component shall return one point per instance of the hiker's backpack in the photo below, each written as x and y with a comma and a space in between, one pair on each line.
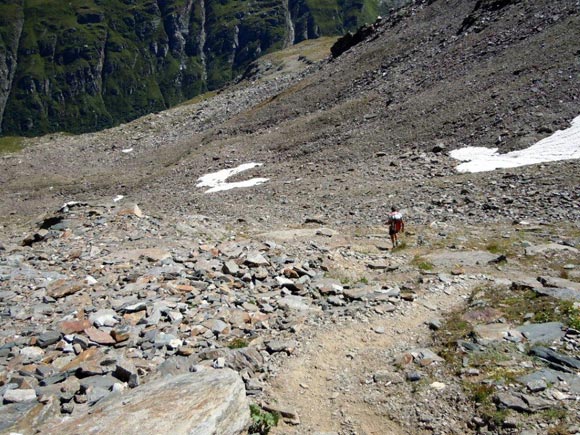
396, 220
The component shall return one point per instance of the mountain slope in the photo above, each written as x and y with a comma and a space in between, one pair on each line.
349, 136
81, 66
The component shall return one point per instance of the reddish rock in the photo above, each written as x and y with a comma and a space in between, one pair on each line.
99, 336
92, 354
62, 287
74, 326
184, 288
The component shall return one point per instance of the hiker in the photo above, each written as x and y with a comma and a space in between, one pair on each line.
396, 225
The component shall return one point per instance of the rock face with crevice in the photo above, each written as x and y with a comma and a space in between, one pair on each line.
83, 66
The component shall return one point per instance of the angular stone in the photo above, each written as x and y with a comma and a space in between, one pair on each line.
150, 254
536, 385
104, 382
47, 338
218, 327
549, 247
328, 286
130, 210
105, 317
92, 356
550, 281
492, 331
425, 356
512, 401
126, 372
133, 308
255, 259
296, 303
14, 416
99, 336
542, 332
553, 377
559, 359
536, 403
563, 294
96, 394
359, 293
31, 354
208, 402
231, 268
74, 326
287, 346
62, 287
337, 301
18, 396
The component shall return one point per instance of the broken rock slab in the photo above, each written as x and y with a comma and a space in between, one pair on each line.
553, 377
542, 332
552, 281
563, 294
206, 402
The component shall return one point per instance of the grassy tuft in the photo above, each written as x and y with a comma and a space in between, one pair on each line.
262, 421
237, 343
422, 263
10, 144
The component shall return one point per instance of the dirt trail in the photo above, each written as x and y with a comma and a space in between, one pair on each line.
328, 383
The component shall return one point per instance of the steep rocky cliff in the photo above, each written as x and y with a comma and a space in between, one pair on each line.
84, 65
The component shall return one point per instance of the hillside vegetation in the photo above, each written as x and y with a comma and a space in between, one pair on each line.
85, 65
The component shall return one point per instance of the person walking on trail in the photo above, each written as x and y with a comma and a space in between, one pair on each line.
396, 225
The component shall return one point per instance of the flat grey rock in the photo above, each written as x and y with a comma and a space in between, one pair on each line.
47, 338
512, 401
563, 294
360, 293
542, 332
553, 377
18, 396
552, 356
296, 303
208, 402
551, 281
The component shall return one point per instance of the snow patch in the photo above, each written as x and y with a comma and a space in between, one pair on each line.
127, 150
216, 181
562, 145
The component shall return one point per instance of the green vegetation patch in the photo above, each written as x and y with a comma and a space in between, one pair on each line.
515, 305
238, 343
422, 264
262, 421
10, 144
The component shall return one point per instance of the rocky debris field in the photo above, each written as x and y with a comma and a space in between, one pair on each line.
103, 306
125, 287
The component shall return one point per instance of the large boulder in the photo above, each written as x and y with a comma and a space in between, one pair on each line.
206, 402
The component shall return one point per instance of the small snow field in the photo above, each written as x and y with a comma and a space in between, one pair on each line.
562, 145
216, 181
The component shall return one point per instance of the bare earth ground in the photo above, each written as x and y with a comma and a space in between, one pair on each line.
328, 382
